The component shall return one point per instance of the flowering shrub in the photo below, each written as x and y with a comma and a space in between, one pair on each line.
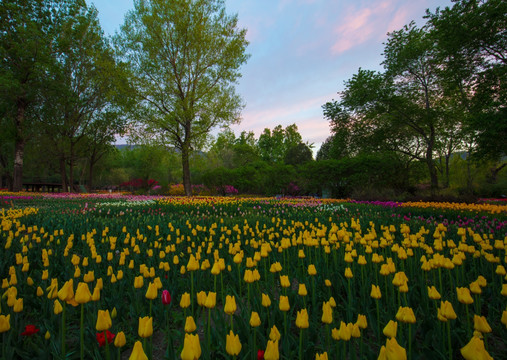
227, 190
140, 184
292, 189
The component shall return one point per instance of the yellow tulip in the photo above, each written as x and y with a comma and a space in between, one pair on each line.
433, 294
185, 300
47, 335
5, 323
89, 276
481, 280
66, 293
145, 328
120, 340
18, 306
391, 329
83, 294
53, 289
475, 350
284, 281
230, 305
40, 292
355, 332
284, 303
382, 354
190, 324
322, 356
138, 282
201, 298
481, 324
361, 321
191, 347
327, 313
211, 300
504, 290
103, 320
151, 293
464, 296
302, 290
192, 264
504, 318
138, 352
255, 320
57, 307
500, 270
348, 273
274, 334
312, 270
215, 270
475, 288
405, 315
302, 319
394, 351
272, 352
344, 333
447, 310
232, 344
96, 293
266, 301
375, 292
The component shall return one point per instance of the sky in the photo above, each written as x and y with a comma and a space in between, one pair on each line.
301, 53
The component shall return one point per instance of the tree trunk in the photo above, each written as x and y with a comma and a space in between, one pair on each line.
63, 173
90, 173
185, 154
446, 182
431, 166
71, 168
494, 173
19, 147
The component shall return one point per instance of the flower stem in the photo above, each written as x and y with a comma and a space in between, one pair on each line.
300, 344
107, 345
449, 339
63, 329
81, 333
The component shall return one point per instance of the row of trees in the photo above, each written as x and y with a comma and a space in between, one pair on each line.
167, 78
443, 91
59, 87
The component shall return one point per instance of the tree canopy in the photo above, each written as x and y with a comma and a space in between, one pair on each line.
185, 57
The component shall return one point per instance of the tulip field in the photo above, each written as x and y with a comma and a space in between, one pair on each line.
118, 276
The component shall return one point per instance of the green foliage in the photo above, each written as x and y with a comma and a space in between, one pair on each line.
273, 145
185, 57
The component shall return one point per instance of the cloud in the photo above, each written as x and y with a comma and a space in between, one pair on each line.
368, 23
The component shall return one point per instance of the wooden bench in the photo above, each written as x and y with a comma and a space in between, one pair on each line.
42, 187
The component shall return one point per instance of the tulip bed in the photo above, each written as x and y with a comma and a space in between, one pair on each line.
118, 276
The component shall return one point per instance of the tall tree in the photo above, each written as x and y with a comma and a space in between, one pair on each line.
81, 88
471, 39
185, 56
27, 32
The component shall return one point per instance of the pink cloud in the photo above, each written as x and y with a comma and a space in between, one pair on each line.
401, 18
363, 24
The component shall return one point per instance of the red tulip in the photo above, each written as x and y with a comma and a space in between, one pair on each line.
260, 354
102, 341
166, 297
30, 330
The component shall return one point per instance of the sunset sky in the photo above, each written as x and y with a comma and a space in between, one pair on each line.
301, 51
